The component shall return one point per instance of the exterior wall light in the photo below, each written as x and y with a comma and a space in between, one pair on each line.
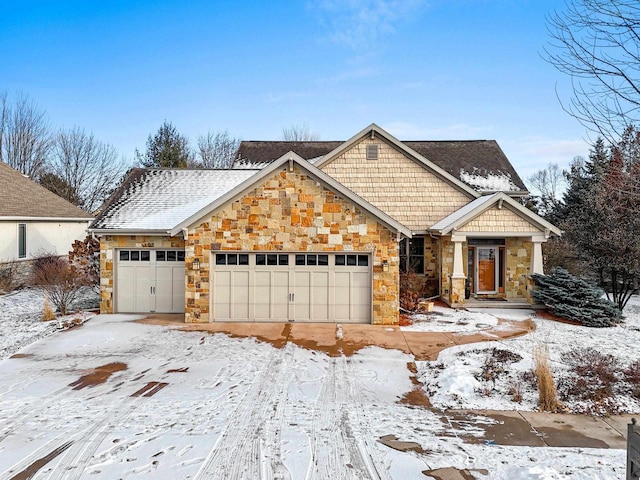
195, 265
385, 266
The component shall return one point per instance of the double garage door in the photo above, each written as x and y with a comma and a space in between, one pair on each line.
301, 287
150, 281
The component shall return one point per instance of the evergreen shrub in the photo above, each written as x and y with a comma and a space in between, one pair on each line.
575, 299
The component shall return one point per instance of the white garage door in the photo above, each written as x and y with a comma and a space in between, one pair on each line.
301, 287
150, 281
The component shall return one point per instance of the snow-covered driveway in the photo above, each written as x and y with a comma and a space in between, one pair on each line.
120, 399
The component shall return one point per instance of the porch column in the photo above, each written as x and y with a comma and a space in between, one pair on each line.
458, 277
458, 264
537, 265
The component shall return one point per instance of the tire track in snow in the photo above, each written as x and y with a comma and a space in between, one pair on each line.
79, 456
237, 452
360, 444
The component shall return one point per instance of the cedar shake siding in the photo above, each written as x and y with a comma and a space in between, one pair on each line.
398, 186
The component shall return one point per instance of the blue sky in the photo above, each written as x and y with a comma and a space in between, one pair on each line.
422, 69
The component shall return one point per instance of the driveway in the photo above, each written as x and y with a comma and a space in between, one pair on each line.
117, 398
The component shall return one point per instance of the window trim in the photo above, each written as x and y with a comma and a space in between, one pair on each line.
22, 240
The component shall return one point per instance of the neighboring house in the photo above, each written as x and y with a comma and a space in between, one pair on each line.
323, 238
34, 221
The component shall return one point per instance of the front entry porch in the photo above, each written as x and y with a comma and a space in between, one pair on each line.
482, 270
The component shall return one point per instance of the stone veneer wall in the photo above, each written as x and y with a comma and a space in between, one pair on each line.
432, 265
107, 245
292, 212
518, 257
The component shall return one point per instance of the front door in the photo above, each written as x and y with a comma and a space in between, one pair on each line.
487, 269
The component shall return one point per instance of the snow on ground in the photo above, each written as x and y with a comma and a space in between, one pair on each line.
120, 399
21, 318
452, 381
450, 320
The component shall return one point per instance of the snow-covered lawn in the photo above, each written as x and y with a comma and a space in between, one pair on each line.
21, 318
455, 380
119, 399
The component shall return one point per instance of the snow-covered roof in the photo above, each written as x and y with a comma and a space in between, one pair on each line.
160, 199
486, 181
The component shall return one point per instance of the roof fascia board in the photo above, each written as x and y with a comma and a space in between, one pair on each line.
47, 219
410, 152
313, 171
469, 215
508, 202
128, 231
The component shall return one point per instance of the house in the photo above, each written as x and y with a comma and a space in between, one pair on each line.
321, 237
33, 222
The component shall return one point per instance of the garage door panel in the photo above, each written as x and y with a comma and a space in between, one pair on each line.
222, 295
240, 295
280, 296
319, 296
262, 295
125, 288
143, 293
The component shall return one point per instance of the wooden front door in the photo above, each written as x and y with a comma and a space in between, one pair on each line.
487, 269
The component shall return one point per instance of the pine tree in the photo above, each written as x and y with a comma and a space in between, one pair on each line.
166, 149
600, 215
575, 299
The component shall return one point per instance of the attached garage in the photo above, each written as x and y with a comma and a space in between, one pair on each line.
301, 287
150, 281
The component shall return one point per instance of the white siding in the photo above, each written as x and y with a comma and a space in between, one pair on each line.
42, 237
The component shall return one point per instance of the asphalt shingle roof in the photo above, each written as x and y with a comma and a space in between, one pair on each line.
479, 158
22, 197
159, 199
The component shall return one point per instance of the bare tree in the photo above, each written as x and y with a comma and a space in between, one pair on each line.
597, 43
25, 137
87, 166
216, 150
548, 184
299, 133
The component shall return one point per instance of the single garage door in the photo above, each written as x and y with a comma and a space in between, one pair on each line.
301, 287
150, 281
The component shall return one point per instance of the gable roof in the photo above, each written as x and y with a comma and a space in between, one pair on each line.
480, 164
290, 159
155, 200
473, 209
22, 198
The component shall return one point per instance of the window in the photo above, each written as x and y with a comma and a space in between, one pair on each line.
22, 240
135, 255
372, 152
312, 260
232, 259
169, 255
272, 259
412, 255
352, 260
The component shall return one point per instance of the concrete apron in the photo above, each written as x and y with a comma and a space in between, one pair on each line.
498, 427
